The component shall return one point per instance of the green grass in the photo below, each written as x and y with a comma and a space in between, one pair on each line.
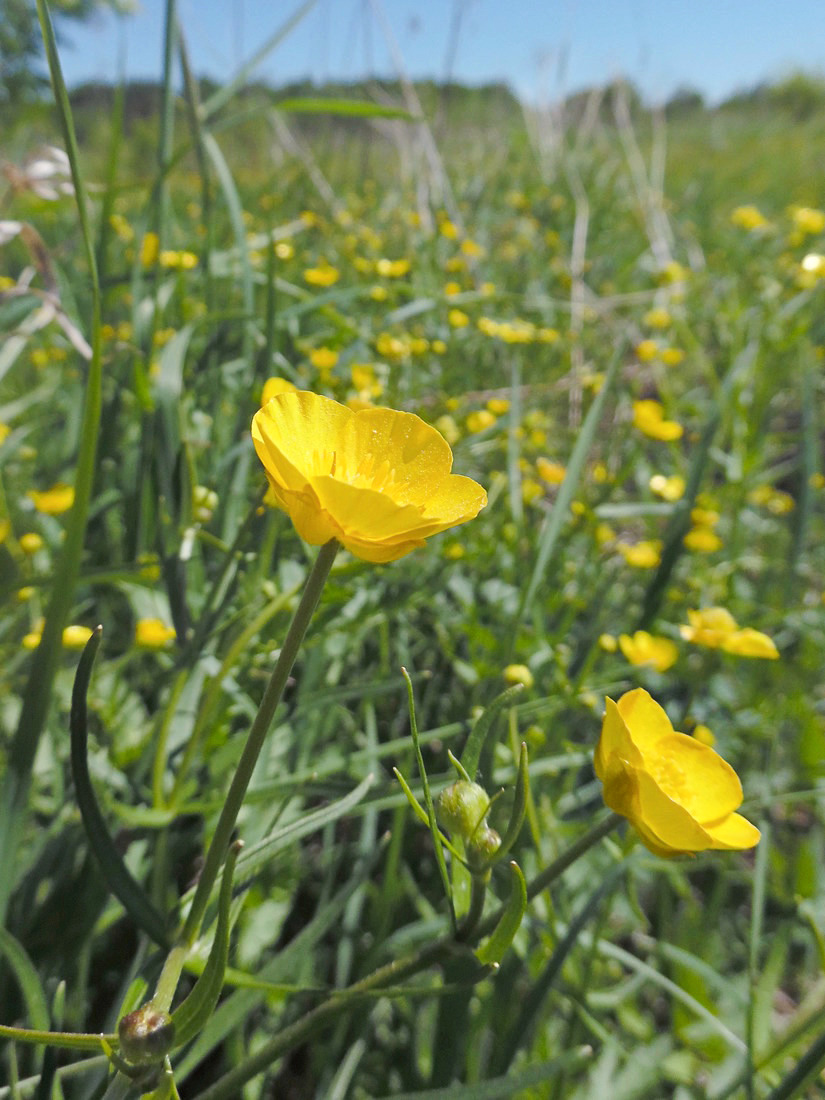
629, 975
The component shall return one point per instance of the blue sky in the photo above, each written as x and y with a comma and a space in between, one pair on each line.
543, 48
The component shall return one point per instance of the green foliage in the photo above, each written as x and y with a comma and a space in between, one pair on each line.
518, 281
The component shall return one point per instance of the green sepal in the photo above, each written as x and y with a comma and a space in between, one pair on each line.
421, 814
459, 767
519, 806
504, 932
478, 734
118, 877
191, 1015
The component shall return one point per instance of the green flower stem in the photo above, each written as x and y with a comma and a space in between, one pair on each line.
478, 892
229, 1086
169, 977
585, 842
246, 765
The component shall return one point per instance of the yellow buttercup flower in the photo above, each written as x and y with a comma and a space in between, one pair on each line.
480, 420
153, 634
642, 648
642, 555
323, 275
716, 628
323, 358
806, 219
658, 317
648, 417
376, 480
702, 539
551, 472
749, 217
678, 794
76, 636
54, 501
668, 488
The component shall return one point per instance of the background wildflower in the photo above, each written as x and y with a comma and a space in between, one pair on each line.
679, 795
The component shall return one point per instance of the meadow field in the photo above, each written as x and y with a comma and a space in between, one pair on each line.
329, 770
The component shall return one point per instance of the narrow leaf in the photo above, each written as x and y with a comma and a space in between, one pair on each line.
192, 1014
519, 805
478, 734
510, 922
117, 875
428, 800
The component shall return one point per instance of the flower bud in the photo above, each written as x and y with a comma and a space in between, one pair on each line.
482, 847
146, 1035
462, 808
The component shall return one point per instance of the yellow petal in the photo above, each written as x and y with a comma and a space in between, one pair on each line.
615, 742
645, 720
750, 643
695, 776
734, 831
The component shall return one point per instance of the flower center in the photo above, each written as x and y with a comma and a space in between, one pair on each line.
368, 474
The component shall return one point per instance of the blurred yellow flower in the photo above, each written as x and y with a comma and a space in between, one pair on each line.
668, 488
177, 260
648, 417
642, 555
551, 472
54, 501
392, 269
284, 250
608, 643
391, 347
531, 490
702, 539
378, 480
448, 428
642, 648
775, 500
646, 351
678, 794
716, 628
672, 357
658, 317
704, 735
498, 405
806, 219
748, 217
274, 386
153, 634
30, 542
480, 421
323, 358
323, 275
518, 674
458, 318
75, 636
149, 249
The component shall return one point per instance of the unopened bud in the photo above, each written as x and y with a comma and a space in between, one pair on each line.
146, 1035
462, 808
